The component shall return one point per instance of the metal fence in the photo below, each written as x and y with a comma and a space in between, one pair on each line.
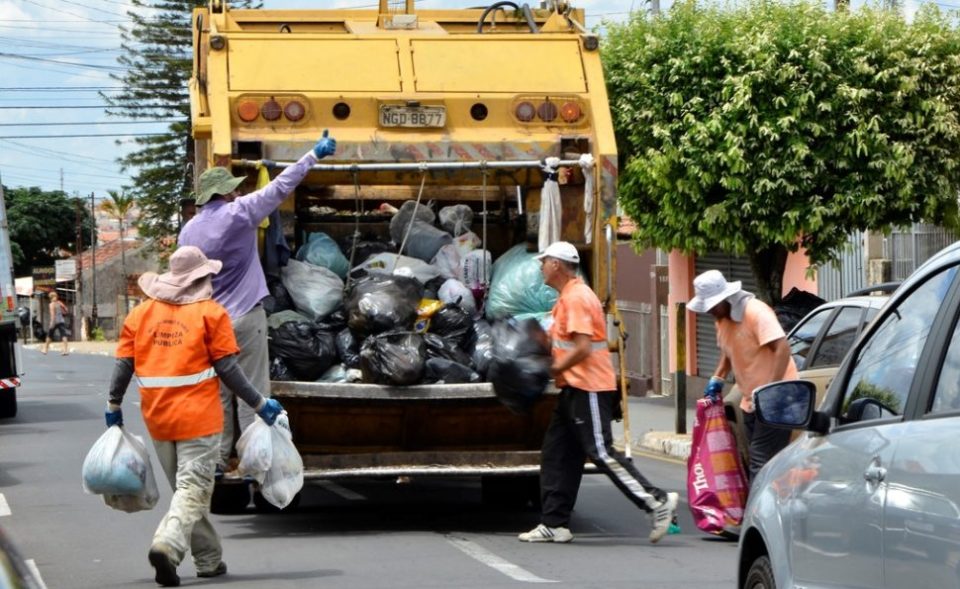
847, 274
908, 248
638, 321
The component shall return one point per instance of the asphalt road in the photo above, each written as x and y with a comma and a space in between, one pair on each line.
352, 535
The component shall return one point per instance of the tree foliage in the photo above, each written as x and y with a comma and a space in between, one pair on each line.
758, 127
158, 55
43, 226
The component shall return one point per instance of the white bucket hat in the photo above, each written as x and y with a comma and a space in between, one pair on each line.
711, 289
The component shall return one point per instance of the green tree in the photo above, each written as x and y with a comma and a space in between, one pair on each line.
762, 126
119, 207
158, 55
43, 226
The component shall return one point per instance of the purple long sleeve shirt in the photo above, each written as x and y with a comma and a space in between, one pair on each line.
227, 232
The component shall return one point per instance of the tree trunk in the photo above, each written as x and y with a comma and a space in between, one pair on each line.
768, 264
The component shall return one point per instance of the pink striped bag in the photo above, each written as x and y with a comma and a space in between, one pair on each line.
716, 484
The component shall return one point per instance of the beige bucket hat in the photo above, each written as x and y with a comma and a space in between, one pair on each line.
185, 282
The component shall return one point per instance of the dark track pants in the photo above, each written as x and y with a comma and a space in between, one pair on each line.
765, 442
578, 430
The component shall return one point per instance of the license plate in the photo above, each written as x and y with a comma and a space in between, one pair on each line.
412, 116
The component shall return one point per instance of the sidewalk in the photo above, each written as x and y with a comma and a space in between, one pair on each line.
652, 419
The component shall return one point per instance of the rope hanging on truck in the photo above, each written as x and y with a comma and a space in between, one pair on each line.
423, 182
358, 210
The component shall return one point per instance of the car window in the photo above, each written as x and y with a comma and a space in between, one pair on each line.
802, 337
838, 339
947, 396
886, 364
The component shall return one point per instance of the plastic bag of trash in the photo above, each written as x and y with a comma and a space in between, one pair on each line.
267, 454
456, 219
340, 373
453, 323
278, 300
447, 261
382, 303
348, 348
280, 371
392, 264
455, 292
520, 366
403, 217
334, 322
364, 249
517, 286
441, 347
315, 291
448, 372
321, 250
278, 319
424, 241
795, 306
393, 358
307, 351
118, 467
476, 270
481, 346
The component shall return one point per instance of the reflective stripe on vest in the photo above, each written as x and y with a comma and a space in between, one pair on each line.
565, 345
176, 381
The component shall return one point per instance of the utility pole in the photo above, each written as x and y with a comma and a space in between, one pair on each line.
93, 265
79, 203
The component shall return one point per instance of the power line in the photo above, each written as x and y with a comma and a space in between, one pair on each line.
88, 135
46, 107
80, 16
155, 122
63, 155
112, 68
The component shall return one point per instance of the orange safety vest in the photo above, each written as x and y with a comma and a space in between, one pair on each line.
578, 310
173, 349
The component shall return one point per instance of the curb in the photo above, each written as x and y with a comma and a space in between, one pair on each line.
666, 443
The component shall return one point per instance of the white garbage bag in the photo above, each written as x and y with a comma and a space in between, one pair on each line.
268, 455
447, 261
118, 467
387, 263
454, 291
315, 291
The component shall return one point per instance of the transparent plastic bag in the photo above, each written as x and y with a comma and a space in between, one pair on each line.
315, 291
267, 454
118, 467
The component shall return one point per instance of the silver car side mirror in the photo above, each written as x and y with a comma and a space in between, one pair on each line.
786, 404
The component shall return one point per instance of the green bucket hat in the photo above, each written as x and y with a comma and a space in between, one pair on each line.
214, 181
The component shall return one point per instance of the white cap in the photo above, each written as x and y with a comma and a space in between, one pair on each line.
561, 250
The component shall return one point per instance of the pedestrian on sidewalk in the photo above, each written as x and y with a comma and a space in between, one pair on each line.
753, 344
58, 324
180, 345
580, 426
225, 229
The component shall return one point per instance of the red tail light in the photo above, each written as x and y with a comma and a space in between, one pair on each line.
248, 111
570, 112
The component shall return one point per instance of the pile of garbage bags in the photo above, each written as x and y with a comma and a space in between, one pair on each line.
427, 305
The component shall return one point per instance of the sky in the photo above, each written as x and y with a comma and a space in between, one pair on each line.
55, 55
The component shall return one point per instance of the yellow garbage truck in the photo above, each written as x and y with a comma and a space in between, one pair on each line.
478, 106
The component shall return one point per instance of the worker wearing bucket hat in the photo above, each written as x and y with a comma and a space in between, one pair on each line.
752, 344
225, 229
180, 345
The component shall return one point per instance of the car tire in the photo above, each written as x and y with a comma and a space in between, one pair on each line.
8, 403
760, 575
230, 498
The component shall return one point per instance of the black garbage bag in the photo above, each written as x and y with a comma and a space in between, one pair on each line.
365, 249
795, 306
520, 367
380, 303
278, 299
307, 351
480, 346
280, 371
38, 331
453, 323
431, 290
334, 322
348, 347
441, 347
393, 358
449, 372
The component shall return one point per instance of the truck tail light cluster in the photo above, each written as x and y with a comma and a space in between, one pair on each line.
528, 110
250, 109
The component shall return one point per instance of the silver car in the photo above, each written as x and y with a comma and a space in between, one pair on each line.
869, 495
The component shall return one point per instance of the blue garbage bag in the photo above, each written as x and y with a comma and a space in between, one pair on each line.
321, 250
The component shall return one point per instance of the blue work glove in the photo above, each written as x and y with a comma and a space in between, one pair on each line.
113, 416
269, 410
326, 146
714, 388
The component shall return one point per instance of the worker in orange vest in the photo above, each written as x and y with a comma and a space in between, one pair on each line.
179, 344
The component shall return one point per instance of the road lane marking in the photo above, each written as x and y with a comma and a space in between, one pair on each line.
4, 507
36, 572
342, 491
493, 561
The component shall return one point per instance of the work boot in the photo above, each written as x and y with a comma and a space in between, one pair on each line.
221, 569
544, 533
662, 515
162, 562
